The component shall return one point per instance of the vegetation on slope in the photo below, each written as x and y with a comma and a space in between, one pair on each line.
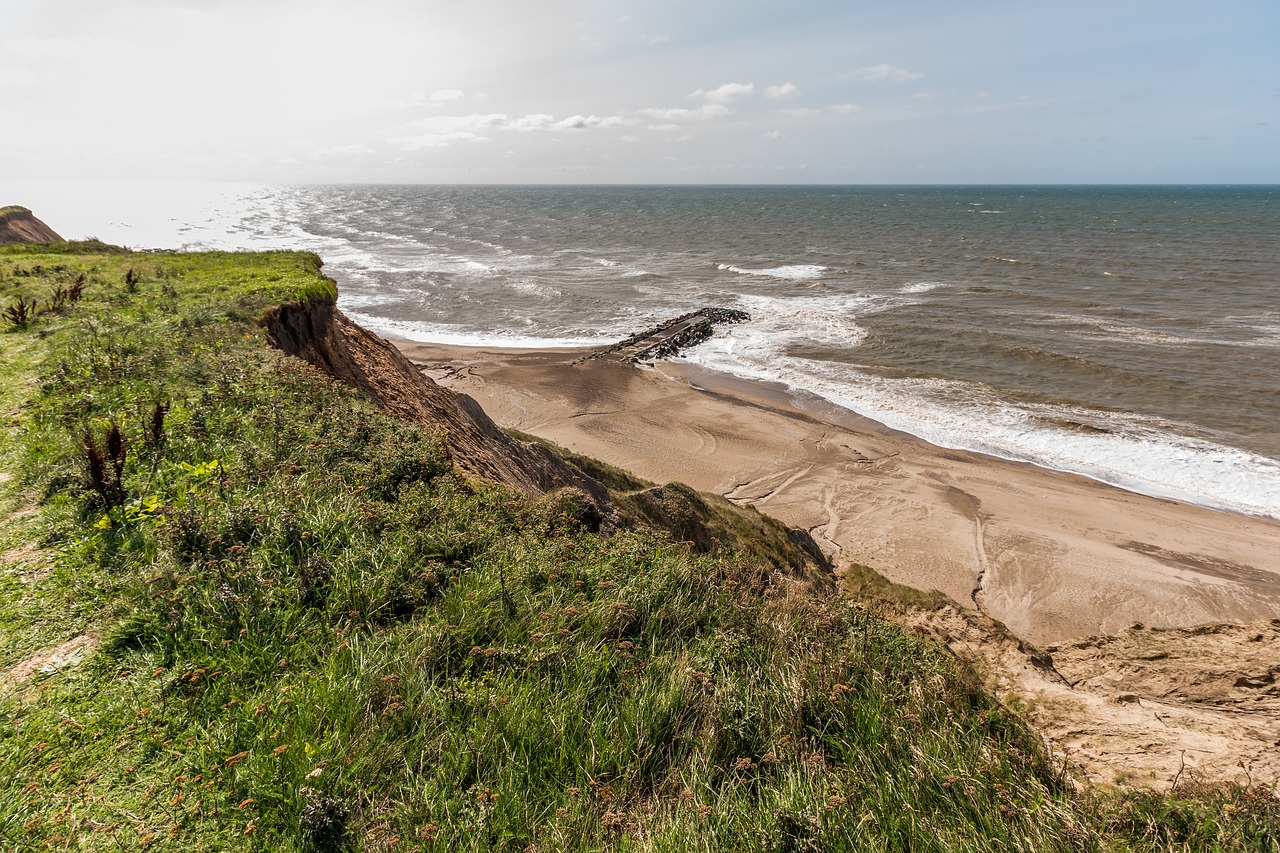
311, 633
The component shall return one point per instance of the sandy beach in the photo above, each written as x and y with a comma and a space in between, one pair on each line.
1053, 556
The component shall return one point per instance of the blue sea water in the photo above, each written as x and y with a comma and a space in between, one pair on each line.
1131, 334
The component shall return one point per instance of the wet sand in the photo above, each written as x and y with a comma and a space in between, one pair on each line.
1054, 556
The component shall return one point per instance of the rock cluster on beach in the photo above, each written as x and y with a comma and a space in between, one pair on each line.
671, 337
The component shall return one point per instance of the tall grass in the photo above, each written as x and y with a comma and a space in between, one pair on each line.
314, 634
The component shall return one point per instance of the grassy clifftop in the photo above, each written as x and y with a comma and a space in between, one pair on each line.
243, 608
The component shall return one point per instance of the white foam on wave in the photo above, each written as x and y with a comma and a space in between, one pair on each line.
533, 287
435, 333
1102, 329
789, 272
827, 320
1134, 453
343, 256
921, 287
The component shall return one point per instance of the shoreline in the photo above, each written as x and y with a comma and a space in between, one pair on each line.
1053, 555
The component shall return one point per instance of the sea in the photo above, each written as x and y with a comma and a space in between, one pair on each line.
1126, 333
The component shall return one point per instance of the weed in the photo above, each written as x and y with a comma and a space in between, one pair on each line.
20, 312
107, 484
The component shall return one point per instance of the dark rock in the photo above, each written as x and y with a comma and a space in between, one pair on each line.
671, 337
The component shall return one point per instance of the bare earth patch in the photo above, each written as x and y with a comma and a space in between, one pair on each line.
1143, 708
51, 659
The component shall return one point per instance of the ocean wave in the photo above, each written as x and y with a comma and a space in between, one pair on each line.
788, 272
433, 333
535, 288
921, 287
1134, 453
830, 321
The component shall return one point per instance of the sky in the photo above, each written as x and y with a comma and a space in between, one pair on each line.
621, 91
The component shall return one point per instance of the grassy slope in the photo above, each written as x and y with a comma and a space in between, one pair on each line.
315, 635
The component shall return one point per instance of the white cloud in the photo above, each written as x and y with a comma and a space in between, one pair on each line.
886, 73
21, 78
343, 151
526, 124
801, 112
580, 122
982, 96
774, 134
726, 94
441, 131
60, 48
656, 39
786, 90
845, 109
440, 96
709, 111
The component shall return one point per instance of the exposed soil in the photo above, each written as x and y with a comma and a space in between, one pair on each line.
19, 225
1146, 707
67, 653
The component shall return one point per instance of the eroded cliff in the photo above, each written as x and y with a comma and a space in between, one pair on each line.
20, 225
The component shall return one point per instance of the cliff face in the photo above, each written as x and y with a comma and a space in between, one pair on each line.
19, 225
321, 334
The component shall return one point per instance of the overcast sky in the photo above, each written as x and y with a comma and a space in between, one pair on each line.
622, 91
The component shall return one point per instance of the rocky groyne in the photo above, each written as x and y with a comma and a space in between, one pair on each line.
671, 337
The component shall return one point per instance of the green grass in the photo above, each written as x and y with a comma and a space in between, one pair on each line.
314, 634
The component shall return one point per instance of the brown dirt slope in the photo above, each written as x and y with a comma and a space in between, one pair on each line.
1147, 707
19, 225
321, 334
